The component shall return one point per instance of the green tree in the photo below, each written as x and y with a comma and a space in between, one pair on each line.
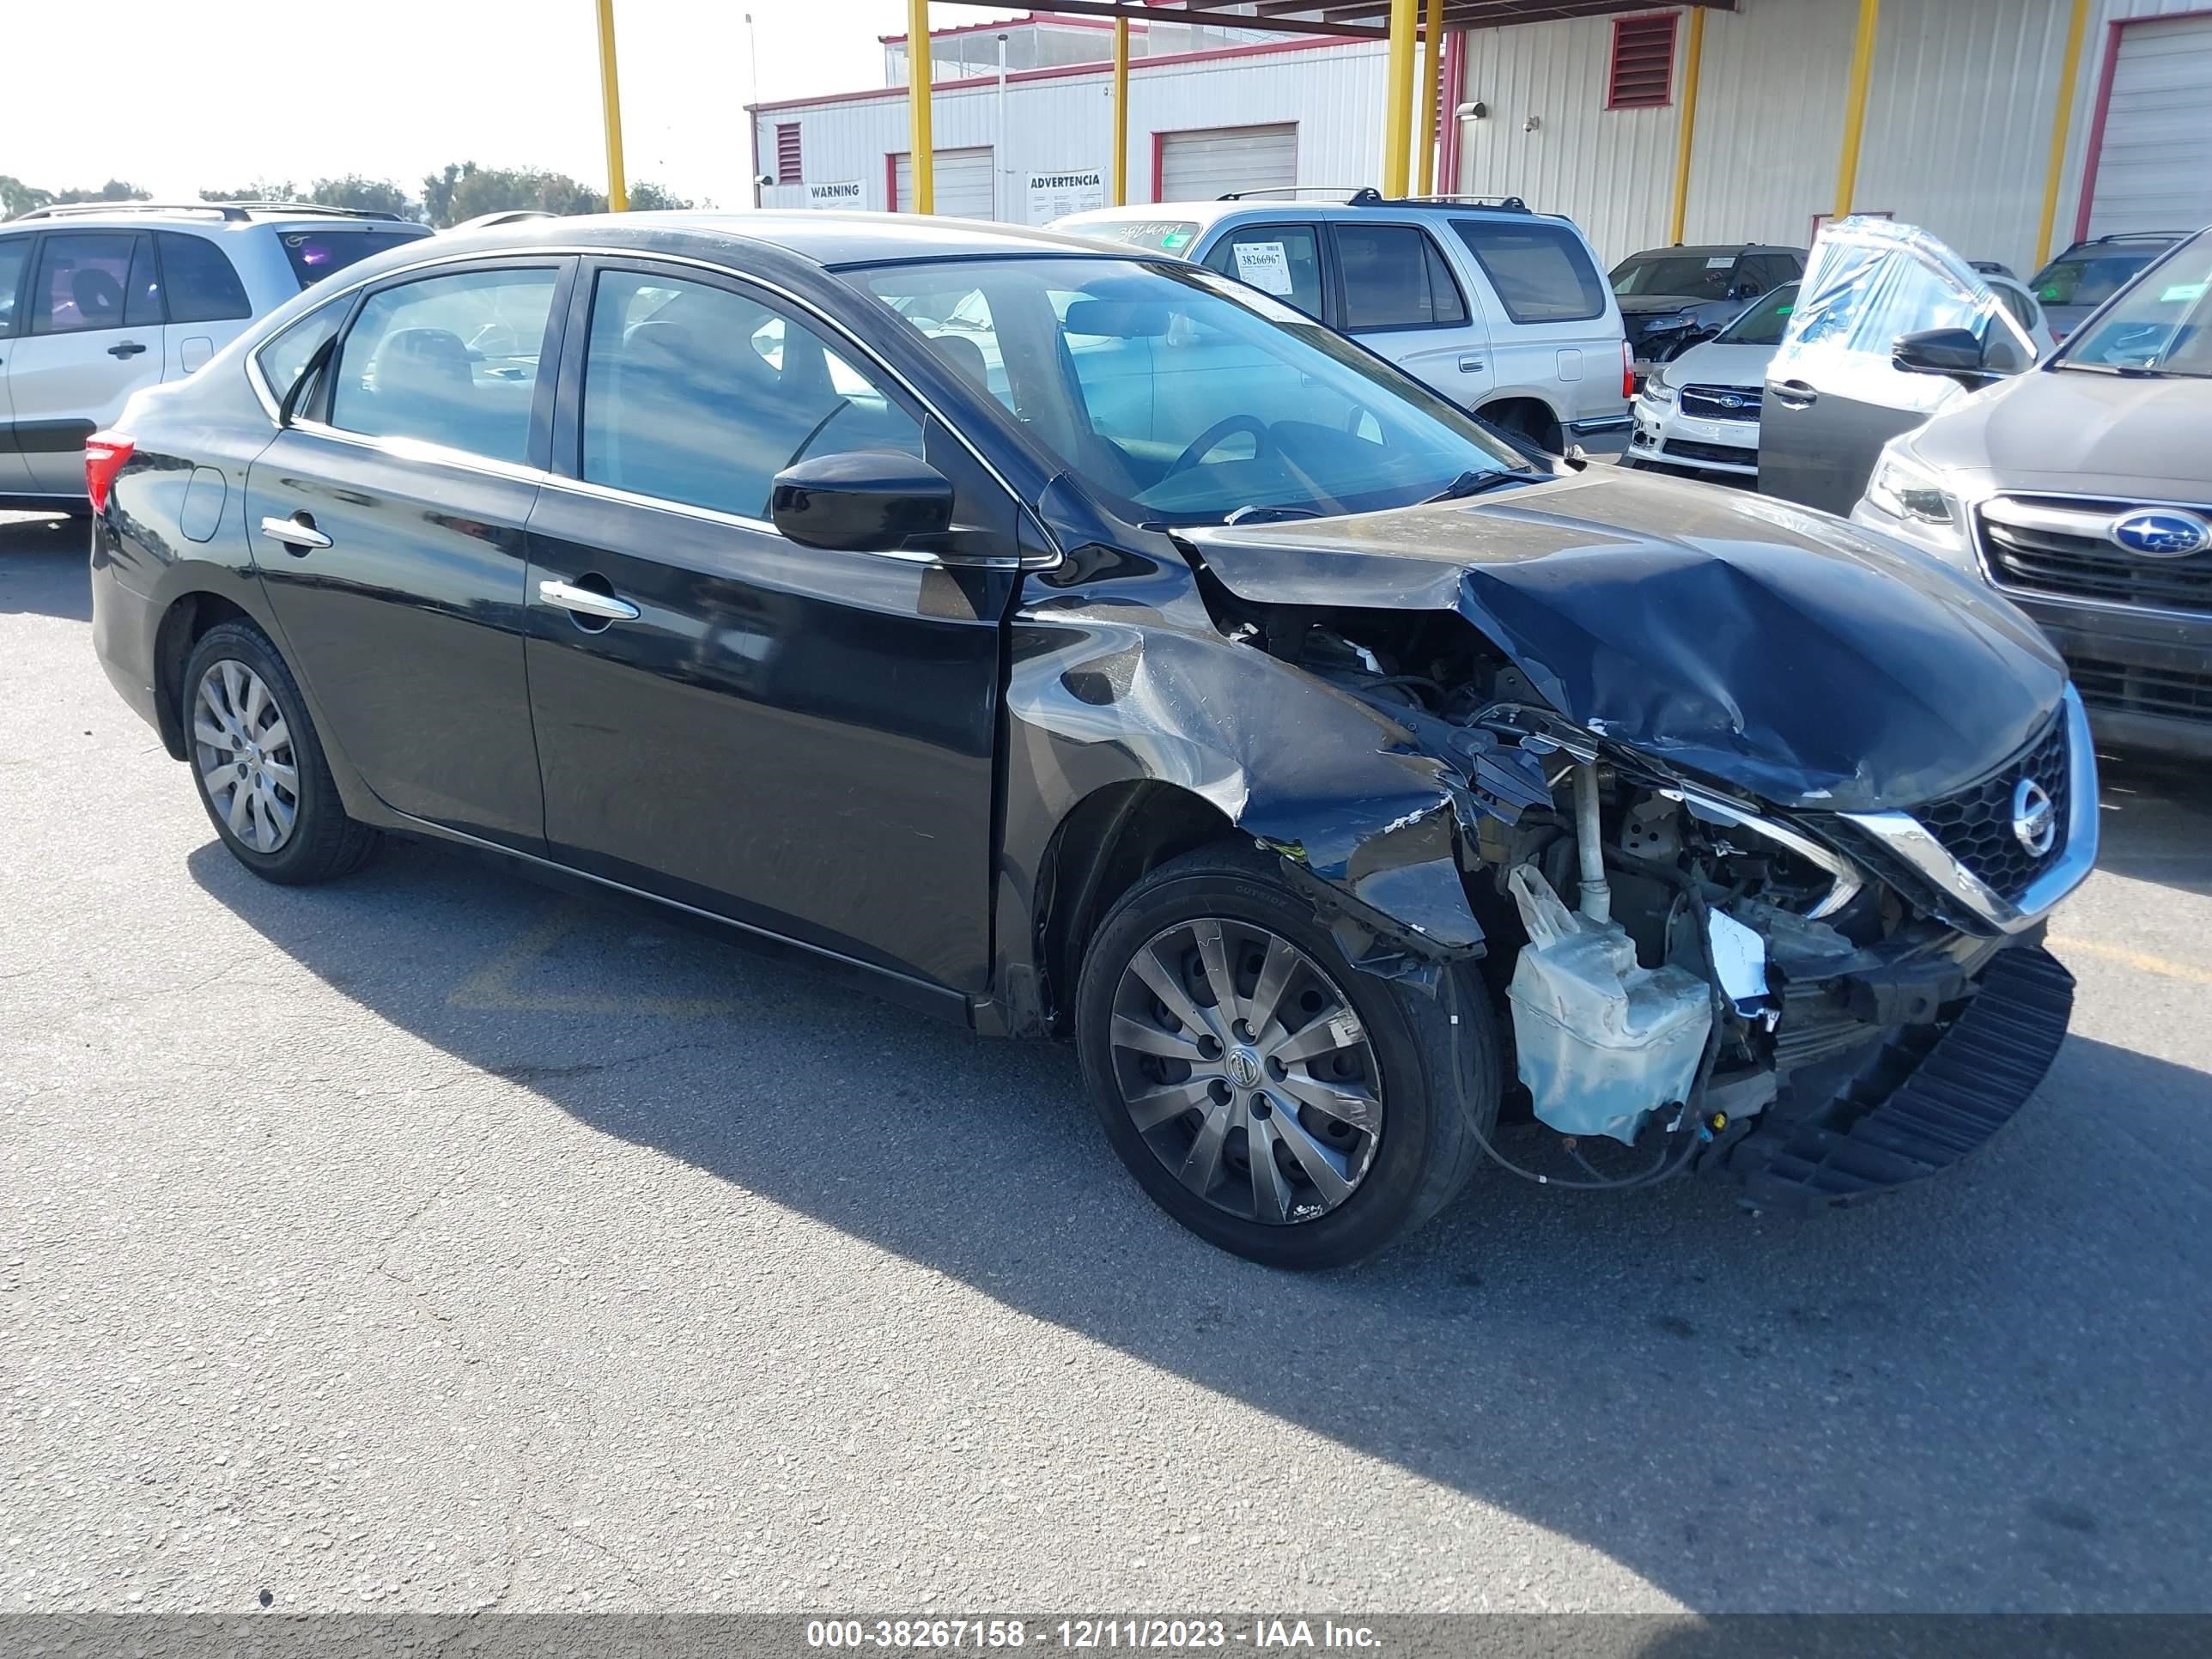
645, 197
464, 191
371, 195
261, 190
18, 197
115, 190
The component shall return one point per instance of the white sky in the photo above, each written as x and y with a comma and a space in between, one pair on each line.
219, 92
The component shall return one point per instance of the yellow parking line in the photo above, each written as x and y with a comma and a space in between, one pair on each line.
492, 987
2141, 960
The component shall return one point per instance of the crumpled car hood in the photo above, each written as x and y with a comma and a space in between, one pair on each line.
1784, 652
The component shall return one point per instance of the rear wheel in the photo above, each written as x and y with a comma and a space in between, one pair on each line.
258, 766
1272, 1097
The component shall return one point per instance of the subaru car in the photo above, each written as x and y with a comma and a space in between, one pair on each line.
1073, 643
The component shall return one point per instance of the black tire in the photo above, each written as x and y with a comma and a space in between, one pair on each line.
324, 843
1438, 1080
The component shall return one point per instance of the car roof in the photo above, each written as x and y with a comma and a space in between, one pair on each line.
1710, 248
205, 215
828, 240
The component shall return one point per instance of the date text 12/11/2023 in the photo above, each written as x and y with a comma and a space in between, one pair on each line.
1086, 1634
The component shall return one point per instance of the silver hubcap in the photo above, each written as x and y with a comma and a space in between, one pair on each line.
1246, 1069
244, 752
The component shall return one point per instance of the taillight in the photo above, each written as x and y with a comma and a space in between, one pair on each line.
1627, 371
104, 455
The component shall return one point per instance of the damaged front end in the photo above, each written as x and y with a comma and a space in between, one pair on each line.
1814, 992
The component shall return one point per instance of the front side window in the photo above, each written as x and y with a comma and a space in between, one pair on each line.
2162, 325
1542, 272
15, 255
1394, 277
1284, 260
284, 356
201, 284
452, 361
701, 395
1179, 396
84, 281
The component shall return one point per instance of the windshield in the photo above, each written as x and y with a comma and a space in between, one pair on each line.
2162, 325
1695, 276
1763, 324
1181, 397
2090, 275
1160, 236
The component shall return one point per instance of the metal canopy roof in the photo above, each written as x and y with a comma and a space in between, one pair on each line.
1355, 20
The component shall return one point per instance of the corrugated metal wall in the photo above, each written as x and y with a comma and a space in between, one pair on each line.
1334, 94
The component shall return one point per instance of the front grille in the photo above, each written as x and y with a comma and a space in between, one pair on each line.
1975, 825
2123, 688
2060, 563
1726, 454
1721, 403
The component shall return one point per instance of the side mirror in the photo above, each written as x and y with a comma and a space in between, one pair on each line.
867, 501
1954, 352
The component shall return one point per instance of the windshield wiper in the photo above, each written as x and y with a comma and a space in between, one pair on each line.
1259, 513
1475, 483
2124, 371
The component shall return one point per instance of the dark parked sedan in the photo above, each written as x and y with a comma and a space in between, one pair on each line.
1077, 644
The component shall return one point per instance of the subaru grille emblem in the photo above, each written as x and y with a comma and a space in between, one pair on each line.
2034, 819
1729, 401
2161, 533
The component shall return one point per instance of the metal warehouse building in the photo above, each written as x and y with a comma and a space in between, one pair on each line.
2002, 125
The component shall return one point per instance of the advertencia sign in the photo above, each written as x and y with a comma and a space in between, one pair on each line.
845, 194
1054, 194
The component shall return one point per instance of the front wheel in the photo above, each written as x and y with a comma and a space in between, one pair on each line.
1274, 1098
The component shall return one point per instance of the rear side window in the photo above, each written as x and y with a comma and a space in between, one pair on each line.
283, 358
452, 361
199, 281
314, 254
1284, 260
699, 395
15, 254
1395, 277
84, 281
1542, 272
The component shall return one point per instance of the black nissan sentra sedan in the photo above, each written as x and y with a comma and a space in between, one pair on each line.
1073, 644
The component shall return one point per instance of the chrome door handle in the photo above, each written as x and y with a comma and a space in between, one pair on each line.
585, 603
1470, 365
294, 534
1796, 394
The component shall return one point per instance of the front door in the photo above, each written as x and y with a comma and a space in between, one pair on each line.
1832, 399
800, 740
90, 334
388, 530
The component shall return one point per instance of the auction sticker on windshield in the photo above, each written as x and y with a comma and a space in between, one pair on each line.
1265, 266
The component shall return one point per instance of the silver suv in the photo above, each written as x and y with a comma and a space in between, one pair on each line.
1504, 311
101, 298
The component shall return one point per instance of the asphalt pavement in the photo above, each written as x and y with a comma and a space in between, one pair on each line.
434, 1241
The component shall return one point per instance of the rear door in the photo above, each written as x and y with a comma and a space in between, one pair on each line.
1832, 399
203, 299
1398, 297
1559, 339
16, 260
90, 335
387, 527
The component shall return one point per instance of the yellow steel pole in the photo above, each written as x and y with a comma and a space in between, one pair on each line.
1432, 68
2061, 126
1120, 110
1693, 60
1398, 103
1847, 171
920, 147
611, 110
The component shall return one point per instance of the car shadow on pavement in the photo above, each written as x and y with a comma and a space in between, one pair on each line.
2157, 821
1986, 1394
43, 566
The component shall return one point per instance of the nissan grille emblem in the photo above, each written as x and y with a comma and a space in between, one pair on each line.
2034, 819
2161, 533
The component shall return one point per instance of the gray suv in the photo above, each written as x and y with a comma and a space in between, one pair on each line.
2082, 490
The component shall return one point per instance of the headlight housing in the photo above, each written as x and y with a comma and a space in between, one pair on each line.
1658, 387
1905, 489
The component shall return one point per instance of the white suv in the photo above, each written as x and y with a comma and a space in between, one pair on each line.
99, 299
1505, 312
